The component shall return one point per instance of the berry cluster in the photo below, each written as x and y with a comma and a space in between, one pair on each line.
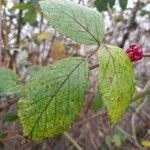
135, 52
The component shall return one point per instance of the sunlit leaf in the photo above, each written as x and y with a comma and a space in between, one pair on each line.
52, 99
9, 82
116, 80
82, 24
146, 143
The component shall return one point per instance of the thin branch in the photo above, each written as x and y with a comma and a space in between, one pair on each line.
131, 24
80, 123
97, 65
7, 105
19, 25
134, 126
94, 66
76, 145
146, 55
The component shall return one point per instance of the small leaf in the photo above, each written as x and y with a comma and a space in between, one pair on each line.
116, 140
97, 102
58, 49
22, 6
9, 82
30, 16
42, 36
116, 80
10, 117
52, 99
146, 143
78, 22
102, 5
123, 4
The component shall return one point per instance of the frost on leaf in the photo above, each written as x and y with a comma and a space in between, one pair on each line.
53, 98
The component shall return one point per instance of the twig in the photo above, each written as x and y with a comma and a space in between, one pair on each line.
94, 66
145, 92
76, 145
19, 25
133, 125
7, 105
80, 123
131, 24
97, 65
146, 55
89, 56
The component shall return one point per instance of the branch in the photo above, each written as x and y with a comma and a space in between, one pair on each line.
80, 123
76, 145
131, 24
97, 65
145, 92
9, 103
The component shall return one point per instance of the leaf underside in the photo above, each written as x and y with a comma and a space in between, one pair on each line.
78, 22
116, 80
9, 82
53, 98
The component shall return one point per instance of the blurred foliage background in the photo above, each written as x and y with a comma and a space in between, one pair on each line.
27, 39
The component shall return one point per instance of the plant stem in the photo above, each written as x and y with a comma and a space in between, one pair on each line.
78, 147
97, 65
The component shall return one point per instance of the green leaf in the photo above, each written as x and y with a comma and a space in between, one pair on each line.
9, 82
30, 16
78, 22
123, 4
97, 102
116, 80
34, 2
10, 117
23, 6
53, 98
34, 69
116, 140
102, 5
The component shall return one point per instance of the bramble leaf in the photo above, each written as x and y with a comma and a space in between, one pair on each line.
116, 80
53, 97
9, 82
82, 24
123, 4
102, 5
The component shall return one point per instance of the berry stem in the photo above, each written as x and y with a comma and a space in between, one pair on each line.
97, 65
146, 55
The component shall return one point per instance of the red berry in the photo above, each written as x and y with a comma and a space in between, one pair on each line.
135, 52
